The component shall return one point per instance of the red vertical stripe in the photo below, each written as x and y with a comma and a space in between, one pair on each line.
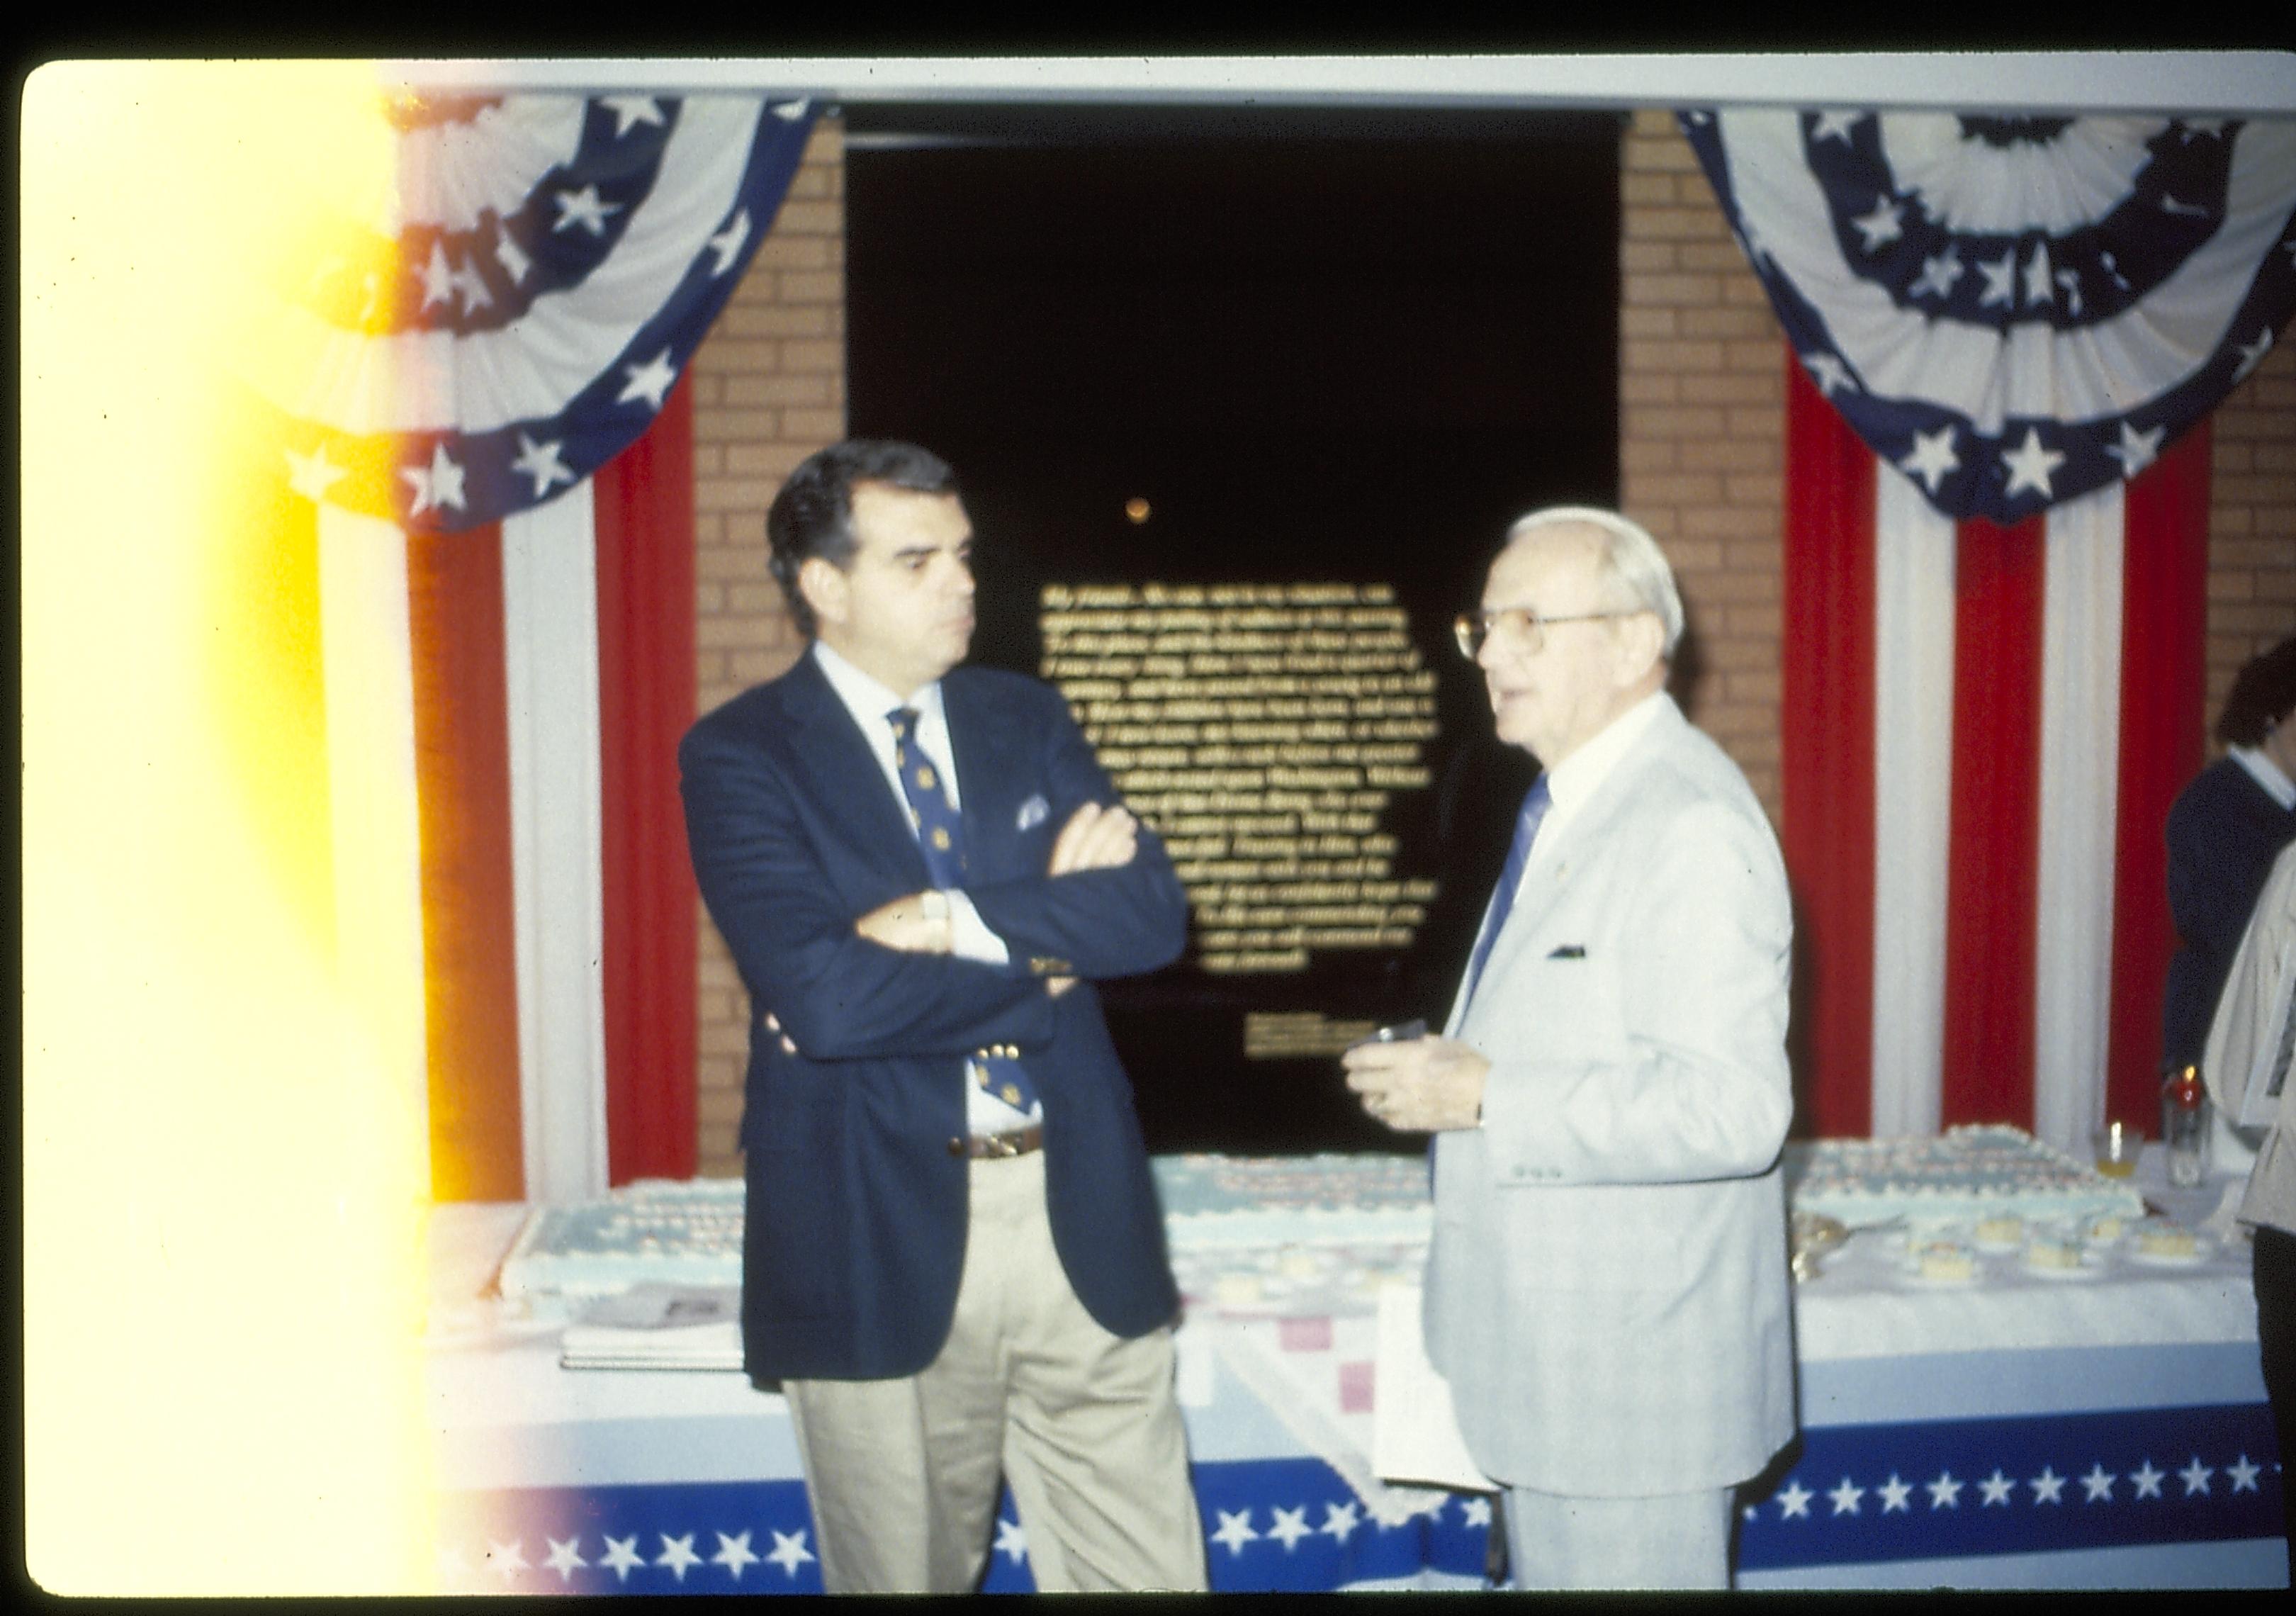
1826, 757
644, 528
2163, 742
462, 767
1993, 864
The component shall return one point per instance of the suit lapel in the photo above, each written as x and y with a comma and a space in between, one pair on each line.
1559, 865
992, 771
836, 767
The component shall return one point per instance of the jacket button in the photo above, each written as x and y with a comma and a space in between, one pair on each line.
956, 1147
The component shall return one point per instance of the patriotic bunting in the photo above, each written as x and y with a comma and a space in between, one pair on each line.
2013, 311
2007, 335
474, 393
550, 265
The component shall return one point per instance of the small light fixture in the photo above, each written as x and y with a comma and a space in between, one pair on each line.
1136, 510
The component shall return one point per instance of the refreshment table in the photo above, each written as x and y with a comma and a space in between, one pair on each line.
2105, 1429
2019, 1430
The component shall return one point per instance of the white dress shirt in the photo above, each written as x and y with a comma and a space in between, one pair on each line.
1570, 782
970, 938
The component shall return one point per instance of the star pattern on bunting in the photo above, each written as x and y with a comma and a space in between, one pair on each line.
734, 1553
650, 382
728, 243
2031, 465
2252, 354
631, 111
542, 462
439, 484
1827, 370
2137, 450
790, 1552
553, 315
1289, 1526
1932, 458
622, 1556
1889, 1511
1235, 1531
677, 1553
2127, 1486
313, 474
2051, 367
584, 209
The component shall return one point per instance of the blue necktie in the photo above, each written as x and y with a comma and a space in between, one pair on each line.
941, 836
1536, 801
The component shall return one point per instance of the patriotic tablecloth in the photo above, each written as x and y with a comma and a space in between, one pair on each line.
2109, 1430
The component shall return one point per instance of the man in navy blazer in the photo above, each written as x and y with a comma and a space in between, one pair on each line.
954, 1264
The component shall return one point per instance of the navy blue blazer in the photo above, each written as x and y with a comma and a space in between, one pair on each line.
856, 1187
2224, 831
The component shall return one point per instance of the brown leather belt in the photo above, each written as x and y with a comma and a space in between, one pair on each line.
997, 1147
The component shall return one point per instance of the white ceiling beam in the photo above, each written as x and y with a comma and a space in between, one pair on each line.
2224, 82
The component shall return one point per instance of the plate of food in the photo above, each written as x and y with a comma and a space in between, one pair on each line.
1942, 1262
2057, 1256
2168, 1245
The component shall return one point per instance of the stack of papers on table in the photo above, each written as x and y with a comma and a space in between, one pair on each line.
657, 1326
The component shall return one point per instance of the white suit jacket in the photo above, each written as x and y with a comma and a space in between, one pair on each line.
1607, 1287
2252, 1019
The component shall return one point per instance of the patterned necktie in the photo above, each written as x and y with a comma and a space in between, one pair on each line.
940, 835
1534, 804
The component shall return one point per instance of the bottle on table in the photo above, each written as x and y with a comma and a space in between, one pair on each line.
2185, 1126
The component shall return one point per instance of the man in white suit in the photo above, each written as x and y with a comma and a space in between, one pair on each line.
1607, 1287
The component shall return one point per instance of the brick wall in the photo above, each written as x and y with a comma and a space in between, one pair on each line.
2252, 521
768, 389
1701, 454
1701, 434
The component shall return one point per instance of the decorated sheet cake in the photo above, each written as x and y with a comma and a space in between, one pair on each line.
664, 1232
1272, 1201
1985, 1175
656, 1230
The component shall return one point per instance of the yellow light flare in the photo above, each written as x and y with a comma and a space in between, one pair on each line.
223, 1132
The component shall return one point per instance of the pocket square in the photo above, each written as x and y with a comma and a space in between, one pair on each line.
1033, 812
1569, 951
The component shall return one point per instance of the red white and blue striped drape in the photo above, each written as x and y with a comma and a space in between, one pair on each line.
2005, 338
478, 397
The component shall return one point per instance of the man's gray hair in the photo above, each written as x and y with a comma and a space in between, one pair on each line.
1631, 560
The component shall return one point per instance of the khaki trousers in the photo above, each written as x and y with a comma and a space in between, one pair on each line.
1679, 1540
903, 1473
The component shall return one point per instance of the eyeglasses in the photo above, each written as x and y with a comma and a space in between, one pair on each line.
1523, 625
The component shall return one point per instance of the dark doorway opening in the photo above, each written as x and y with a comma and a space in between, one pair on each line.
1320, 344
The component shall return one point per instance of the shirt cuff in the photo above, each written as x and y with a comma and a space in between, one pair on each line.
968, 936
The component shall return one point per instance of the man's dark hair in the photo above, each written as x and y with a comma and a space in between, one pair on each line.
2263, 695
813, 514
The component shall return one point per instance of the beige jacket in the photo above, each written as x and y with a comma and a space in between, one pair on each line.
2250, 1027
1606, 1291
